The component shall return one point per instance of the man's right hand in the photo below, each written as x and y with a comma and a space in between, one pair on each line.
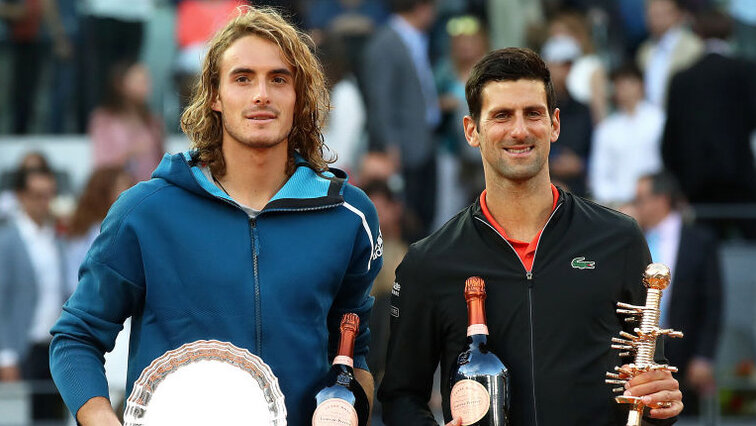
455, 422
97, 412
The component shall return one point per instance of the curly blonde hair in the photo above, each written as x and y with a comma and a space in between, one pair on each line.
204, 127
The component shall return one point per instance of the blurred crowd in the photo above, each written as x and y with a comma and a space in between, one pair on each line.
657, 104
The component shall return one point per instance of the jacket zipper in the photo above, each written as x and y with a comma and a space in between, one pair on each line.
255, 255
529, 277
258, 314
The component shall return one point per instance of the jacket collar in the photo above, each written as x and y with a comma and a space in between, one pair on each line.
306, 189
563, 198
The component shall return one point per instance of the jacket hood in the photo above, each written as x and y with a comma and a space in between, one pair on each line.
306, 188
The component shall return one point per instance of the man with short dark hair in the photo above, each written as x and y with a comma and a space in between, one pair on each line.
32, 289
403, 103
711, 116
551, 321
693, 300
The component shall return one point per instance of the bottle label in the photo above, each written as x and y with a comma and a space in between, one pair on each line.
477, 329
335, 412
470, 401
344, 360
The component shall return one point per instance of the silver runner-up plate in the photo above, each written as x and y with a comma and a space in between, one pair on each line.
206, 382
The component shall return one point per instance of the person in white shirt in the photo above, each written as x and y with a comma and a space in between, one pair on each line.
671, 48
626, 145
32, 290
345, 132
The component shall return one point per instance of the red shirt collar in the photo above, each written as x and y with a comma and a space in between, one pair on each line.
525, 250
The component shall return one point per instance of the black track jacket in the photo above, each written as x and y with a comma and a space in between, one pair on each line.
552, 327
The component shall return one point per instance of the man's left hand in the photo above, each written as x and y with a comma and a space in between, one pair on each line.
657, 387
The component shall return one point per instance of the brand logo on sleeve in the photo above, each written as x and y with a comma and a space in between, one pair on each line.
395, 289
378, 249
581, 263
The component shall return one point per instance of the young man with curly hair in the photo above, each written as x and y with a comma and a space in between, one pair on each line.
247, 238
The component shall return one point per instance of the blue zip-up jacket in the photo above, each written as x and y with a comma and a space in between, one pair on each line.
182, 259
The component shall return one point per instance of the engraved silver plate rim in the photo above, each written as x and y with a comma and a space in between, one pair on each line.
203, 350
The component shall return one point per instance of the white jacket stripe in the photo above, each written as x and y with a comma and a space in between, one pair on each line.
365, 225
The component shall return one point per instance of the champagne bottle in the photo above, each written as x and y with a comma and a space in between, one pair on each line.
479, 380
342, 401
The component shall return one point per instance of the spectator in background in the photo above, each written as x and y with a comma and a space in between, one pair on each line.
293, 10
113, 32
123, 130
28, 19
403, 103
344, 132
64, 102
710, 117
586, 81
105, 184
32, 290
12, 10
345, 17
445, 10
671, 48
31, 160
196, 22
626, 145
8, 197
567, 159
460, 174
743, 13
693, 301
394, 248
510, 22
633, 21
103, 187
353, 21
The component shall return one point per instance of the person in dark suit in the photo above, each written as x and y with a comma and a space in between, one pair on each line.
403, 109
711, 115
567, 161
692, 302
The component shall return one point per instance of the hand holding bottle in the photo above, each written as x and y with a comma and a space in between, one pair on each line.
479, 380
342, 401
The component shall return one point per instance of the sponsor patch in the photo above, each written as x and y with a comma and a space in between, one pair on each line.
395, 312
395, 289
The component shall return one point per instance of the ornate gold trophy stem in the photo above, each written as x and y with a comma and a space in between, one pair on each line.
649, 323
643, 342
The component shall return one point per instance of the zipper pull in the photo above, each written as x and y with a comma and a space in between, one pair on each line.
529, 275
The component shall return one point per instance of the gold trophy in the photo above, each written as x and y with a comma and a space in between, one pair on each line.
643, 342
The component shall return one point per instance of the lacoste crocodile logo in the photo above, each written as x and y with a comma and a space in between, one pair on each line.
581, 263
